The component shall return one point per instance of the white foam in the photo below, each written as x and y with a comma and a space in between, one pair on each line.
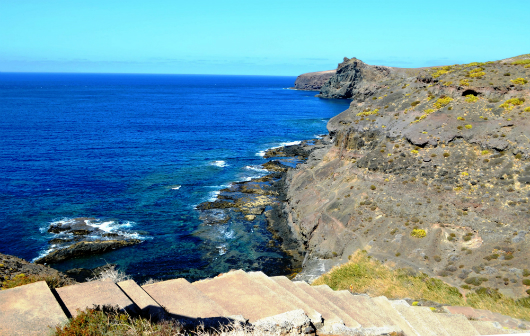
43, 254
213, 195
291, 143
222, 249
219, 163
230, 234
257, 168
283, 144
109, 226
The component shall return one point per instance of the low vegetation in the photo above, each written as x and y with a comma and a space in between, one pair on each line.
110, 321
23, 279
365, 275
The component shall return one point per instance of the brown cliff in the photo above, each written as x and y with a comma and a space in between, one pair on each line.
313, 81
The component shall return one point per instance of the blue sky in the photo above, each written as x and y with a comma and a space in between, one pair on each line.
254, 37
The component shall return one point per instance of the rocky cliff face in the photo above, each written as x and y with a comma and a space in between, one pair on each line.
428, 169
313, 81
355, 79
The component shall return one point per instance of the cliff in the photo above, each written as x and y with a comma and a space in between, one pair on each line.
313, 81
354, 79
428, 168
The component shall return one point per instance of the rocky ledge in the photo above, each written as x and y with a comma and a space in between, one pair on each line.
84, 236
257, 202
313, 81
12, 268
429, 169
84, 248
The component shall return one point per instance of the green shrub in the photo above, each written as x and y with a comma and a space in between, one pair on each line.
475, 281
489, 292
511, 103
439, 73
441, 102
526, 282
521, 62
520, 81
471, 98
418, 233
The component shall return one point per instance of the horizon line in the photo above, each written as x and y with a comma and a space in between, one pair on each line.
135, 73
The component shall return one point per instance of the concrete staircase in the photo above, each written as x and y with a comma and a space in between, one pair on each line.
270, 303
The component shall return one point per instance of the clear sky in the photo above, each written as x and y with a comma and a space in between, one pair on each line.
251, 37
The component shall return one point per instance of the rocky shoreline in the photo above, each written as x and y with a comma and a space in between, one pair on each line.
264, 198
85, 236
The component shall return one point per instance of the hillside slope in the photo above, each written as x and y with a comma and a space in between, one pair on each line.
428, 168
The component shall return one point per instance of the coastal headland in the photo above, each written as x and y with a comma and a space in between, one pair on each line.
427, 169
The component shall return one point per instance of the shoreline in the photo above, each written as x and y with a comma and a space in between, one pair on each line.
266, 197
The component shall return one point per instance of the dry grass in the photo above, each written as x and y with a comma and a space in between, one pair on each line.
112, 274
365, 275
23, 279
110, 321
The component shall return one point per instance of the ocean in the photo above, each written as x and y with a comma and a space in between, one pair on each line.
137, 153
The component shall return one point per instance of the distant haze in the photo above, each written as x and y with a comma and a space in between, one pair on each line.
254, 37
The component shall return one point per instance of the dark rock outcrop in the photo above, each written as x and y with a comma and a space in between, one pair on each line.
83, 236
12, 267
313, 81
84, 248
355, 79
86, 274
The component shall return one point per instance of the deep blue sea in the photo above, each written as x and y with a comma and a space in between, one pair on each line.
138, 153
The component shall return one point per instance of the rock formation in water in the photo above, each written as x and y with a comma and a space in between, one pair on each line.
84, 236
429, 169
313, 81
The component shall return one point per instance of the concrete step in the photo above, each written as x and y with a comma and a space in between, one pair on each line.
489, 328
457, 325
327, 314
420, 319
486, 315
364, 312
29, 310
468, 312
313, 314
89, 294
435, 324
386, 309
181, 299
147, 305
239, 294
347, 319
368, 310
505, 321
